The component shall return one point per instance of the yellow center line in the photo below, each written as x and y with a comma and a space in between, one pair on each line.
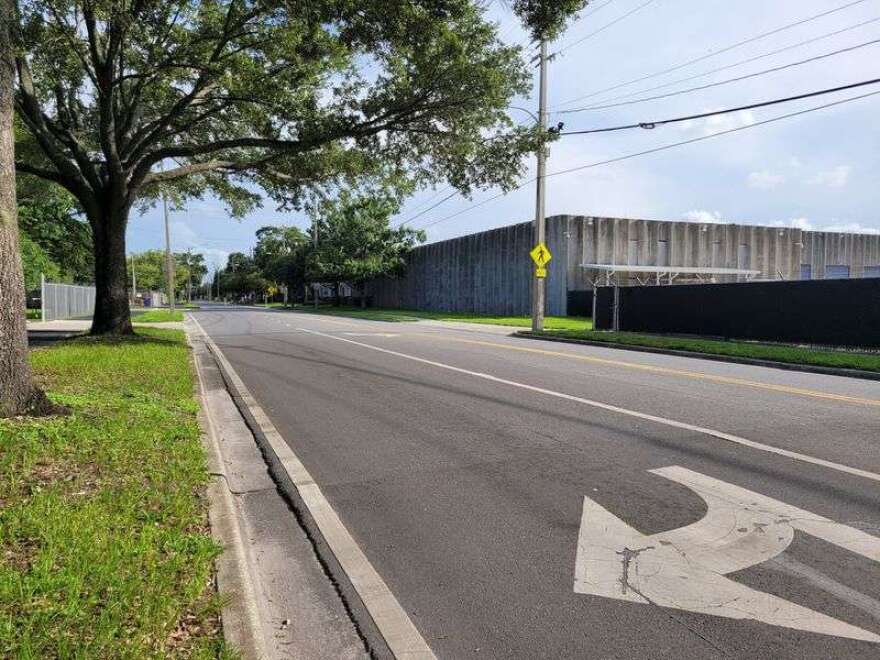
726, 380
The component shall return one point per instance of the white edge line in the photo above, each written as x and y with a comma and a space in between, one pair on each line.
721, 435
393, 623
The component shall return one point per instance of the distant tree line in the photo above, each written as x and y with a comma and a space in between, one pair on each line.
355, 243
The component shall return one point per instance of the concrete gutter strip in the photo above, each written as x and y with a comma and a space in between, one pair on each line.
279, 602
242, 626
787, 366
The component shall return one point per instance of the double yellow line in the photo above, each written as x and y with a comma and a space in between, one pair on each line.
726, 380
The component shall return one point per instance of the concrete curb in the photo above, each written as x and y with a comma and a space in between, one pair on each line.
805, 368
242, 624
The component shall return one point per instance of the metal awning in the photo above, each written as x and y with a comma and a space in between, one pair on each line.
668, 273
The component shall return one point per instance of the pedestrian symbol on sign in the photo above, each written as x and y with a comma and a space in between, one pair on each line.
540, 255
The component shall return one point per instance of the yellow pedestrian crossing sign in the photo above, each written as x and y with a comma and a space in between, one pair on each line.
541, 256
540, 272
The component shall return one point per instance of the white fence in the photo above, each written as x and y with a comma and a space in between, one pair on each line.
67, 301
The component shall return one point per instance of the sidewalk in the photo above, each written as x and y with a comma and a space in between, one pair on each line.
83, 325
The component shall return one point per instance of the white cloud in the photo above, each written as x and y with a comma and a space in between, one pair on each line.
845, 227
765, 180
699, 215
794, 223
719, 123
852, 227
184, 238
836, 177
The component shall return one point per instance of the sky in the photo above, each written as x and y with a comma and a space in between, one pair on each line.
818, 170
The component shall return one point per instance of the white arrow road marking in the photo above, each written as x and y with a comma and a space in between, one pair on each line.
684, 568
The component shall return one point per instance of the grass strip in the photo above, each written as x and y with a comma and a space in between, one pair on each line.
105, 549
157, 316
740, 349
408, 315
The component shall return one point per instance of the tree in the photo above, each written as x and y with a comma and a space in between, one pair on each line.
36, 263
48, 217
241, 278
18, 394
546, 19
280, 254
191, 267
149, 267
356, 241
291, 96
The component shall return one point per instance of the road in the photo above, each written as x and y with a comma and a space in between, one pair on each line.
528, 499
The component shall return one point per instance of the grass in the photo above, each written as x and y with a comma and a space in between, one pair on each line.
404, 315
34, 314
158, 316
742, 349
105, 549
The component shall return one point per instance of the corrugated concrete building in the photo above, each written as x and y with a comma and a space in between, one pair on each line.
489, 272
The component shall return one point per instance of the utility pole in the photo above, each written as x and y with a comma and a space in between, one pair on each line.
169, 260
315, 237
539, 225
133, 282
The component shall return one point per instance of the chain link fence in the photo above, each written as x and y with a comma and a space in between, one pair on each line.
67, 301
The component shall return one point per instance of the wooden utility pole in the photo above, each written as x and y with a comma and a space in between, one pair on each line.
538, 290
169, 258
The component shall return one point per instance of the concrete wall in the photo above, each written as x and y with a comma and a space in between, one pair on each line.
490, 272
822, 249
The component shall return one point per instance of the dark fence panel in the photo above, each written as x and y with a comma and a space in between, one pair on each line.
580, 303
842, 312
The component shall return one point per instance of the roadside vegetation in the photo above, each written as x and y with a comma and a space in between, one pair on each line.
157, 316
741, 349
575, 323
34, 315
105, 549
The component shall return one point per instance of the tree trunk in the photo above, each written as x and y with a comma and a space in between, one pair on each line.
112, 314
18, 395
363, 295
337, 301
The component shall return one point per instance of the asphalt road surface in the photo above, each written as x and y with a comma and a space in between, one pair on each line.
528, 499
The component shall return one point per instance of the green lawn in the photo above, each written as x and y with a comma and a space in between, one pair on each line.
157, 316
105, 549
34, 314
404, 315
745, 349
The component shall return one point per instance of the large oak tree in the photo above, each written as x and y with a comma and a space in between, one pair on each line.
232, 96
18, 395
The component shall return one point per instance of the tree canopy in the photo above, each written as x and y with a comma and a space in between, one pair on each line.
356, 241
290, 96
546, 19
47, 216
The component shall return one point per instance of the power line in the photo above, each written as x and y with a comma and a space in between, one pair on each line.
751, 106
433, 206
711, 135
717, 52
739, 63
603, 28
723, 82
656, 150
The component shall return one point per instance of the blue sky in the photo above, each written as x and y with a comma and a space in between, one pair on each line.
819, 170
